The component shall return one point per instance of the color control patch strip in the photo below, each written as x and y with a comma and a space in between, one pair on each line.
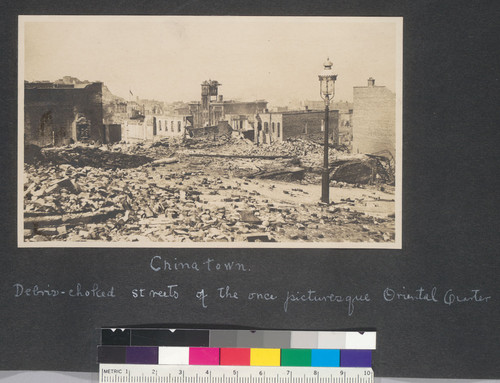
213, 356
351, 340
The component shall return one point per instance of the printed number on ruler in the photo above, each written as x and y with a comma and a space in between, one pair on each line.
141, 373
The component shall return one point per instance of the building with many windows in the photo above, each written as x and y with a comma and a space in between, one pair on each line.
170, 125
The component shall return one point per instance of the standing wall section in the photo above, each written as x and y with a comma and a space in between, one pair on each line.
374, 120
57, 108
308, 123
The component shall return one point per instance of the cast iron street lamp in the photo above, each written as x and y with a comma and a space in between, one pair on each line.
327, 91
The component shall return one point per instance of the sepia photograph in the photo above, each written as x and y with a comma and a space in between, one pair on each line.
210, 131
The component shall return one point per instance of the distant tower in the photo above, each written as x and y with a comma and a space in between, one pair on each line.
209, 92
205, 90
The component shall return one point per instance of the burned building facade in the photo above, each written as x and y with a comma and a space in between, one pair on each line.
60, 113
279, 126
213, 109
374, 119
170, 125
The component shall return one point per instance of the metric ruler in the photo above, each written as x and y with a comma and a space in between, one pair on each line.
152, 373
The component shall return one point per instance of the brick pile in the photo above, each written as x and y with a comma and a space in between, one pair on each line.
176, 200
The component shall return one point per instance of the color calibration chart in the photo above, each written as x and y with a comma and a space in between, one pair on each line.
234, 356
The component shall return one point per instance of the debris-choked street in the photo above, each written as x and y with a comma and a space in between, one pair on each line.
229, 190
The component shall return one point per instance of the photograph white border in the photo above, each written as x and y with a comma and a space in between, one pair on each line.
397, 244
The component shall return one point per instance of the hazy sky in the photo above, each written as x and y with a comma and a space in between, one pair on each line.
167, 58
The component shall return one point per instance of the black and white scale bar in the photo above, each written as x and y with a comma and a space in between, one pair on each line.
142, 373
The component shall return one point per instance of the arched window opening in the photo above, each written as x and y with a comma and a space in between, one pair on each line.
45, 124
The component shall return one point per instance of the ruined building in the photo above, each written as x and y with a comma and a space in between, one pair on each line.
278, 126
58, 113
374, 119
213, 109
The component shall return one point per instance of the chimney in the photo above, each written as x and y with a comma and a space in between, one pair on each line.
371, 82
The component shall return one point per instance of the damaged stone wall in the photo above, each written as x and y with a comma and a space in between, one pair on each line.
171, 125
295, 124
310, 122
50, 113
113, 133
272, 127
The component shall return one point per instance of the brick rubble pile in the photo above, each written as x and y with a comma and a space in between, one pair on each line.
174, 200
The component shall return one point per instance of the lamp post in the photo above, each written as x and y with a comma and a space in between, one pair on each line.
327, 91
